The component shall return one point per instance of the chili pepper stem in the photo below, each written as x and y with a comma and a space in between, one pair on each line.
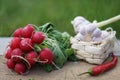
83, 73
88, 72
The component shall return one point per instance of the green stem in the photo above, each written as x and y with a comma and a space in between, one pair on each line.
108, 21
38, 48
83, 73
35, 27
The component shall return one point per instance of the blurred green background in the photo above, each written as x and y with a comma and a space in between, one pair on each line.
18, 13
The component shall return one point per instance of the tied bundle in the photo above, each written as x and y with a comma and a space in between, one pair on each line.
43, 45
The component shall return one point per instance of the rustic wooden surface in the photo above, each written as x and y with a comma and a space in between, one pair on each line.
68, 72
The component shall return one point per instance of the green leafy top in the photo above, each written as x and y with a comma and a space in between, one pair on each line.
59, 43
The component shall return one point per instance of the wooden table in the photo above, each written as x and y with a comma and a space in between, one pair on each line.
68, 72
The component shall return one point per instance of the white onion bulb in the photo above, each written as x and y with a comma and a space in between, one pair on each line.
79, 20
79, 17
104, 34
82, 29
90, 28
76, 23
79, 36
96, 33
97, 39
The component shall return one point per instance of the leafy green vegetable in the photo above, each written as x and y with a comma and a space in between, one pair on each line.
48, 67
59, 57
59, 43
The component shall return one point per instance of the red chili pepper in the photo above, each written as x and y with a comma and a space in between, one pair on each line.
102, 67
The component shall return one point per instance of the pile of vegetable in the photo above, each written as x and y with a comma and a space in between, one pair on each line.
90, 43
87, 31
41, 45
87, 47
90, 32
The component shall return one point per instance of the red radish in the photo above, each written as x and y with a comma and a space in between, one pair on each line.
20, 68
46, 55
18, 32
23, 60
15, 43
38, 37
31, 56
17, 52
8, 53
27, 31
10, 64
26, 44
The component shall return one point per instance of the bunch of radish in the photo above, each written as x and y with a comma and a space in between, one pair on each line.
21, 55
